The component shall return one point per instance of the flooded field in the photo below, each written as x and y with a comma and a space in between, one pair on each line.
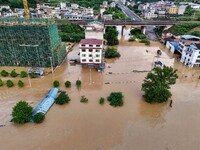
135, 126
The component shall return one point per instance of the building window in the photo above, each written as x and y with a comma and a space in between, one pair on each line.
188, 59
197, 61
90, 60
97, 50
90, 55
190, 55
83, 60
83, 50
186, 53
97, 45
90, 45
83, 55
97, 60
97, 55
198, 56
83, 45
90, 50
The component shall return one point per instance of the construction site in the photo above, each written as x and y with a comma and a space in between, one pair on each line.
30, 42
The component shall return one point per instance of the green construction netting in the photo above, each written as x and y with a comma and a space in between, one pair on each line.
30, 45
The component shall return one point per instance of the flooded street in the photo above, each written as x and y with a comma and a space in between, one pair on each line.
135, 126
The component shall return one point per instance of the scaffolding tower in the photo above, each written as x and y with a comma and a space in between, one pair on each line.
30, 42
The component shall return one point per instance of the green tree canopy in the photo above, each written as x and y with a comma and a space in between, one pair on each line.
62, 98
111, 53
38, 118
116, 99
21, 112
157, 84
111, 36
56, 83
13, 73
9, 83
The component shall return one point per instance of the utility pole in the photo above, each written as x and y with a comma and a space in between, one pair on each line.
51, 64
29, 80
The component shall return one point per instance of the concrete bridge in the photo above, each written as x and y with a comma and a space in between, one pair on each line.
121, 22
142, 24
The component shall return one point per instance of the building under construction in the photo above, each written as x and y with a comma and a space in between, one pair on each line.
30, 42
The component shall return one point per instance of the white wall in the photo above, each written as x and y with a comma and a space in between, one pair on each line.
94, 56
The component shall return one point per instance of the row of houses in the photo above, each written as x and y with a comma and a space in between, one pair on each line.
187, 46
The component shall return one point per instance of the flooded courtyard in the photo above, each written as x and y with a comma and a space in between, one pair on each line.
135, 126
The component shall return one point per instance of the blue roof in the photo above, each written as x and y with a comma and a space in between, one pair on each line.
175, 44
46, 103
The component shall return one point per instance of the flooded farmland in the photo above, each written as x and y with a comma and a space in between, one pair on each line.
135, 126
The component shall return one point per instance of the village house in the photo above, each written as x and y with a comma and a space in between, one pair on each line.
91, 51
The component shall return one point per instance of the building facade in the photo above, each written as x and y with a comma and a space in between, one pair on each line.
91, 51
189, 47
191, 55
30, 42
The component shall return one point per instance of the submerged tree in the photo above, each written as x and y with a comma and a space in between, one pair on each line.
116, 99
111, 36
22, 112
38, 118
157, 84
62, 98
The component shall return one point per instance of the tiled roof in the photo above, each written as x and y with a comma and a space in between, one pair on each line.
91, 41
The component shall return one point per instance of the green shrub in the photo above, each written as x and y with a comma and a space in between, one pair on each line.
78, 83
116, 99
111, 53
32, 75
68, 84
62, 98
1, 82
131, 39
101, 100
13, 73
38, 118
21, 112
4, 73
20, 83
145, 41
23, 74
9, 83
84, 99
56, 83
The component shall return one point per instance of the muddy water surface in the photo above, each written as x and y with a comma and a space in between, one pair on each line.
135, 126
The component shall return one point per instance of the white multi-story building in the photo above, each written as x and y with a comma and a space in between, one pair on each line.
91, 51
189, 47
191, 55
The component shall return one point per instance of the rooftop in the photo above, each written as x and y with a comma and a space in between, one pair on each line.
190, 37
26, 21
91, 41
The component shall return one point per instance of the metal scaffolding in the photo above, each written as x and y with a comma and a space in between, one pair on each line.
30, 42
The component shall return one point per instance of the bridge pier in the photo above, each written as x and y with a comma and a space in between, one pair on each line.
122, 31
143, 29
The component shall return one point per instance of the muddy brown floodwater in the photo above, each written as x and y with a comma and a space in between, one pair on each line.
135, 126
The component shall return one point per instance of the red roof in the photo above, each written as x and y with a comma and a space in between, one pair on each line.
91, 41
